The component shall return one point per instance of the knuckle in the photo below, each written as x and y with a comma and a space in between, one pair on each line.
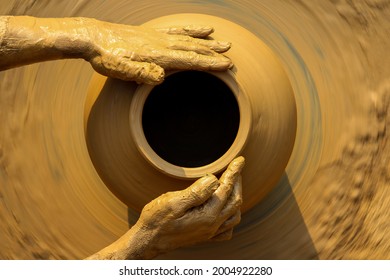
208, 180
193, 55
193, 196
165, 200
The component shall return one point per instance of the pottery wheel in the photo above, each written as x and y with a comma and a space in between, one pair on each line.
316, 183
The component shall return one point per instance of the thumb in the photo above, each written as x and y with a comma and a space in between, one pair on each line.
198, 193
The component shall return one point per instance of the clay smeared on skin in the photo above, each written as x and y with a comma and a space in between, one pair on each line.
45, 167
119, 51
3, 27
131, 53
208, 210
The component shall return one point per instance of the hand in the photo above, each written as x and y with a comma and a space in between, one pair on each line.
207, 210
130, 53
141, 54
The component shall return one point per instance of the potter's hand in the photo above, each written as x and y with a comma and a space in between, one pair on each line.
207, 210
119, 51
141, 54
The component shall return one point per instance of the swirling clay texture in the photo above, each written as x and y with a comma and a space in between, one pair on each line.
331, 200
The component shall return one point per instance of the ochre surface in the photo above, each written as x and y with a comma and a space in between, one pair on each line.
333, 198
267, 109
208, 210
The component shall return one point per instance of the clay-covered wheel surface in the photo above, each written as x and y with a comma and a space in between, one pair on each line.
330, 196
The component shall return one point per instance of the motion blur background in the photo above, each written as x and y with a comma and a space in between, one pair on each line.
332, 202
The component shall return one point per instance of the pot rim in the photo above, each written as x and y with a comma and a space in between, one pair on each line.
136, 109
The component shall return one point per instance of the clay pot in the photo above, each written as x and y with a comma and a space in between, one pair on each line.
260, 122
58, 203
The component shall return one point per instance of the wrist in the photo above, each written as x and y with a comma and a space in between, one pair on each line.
72, 38
141, 243
136, 244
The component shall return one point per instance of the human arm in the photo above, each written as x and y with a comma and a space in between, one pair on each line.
120, 51
207, 210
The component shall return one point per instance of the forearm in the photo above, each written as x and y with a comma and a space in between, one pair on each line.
25, 40
135, 244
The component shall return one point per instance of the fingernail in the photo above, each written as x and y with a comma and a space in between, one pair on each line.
228, 61
225, 45
222, 63
222, 46
238, 163
240, 159
207, 29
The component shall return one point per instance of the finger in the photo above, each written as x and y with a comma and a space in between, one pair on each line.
233, 171
227, 235
196, 31
217, 46
230, 223
234, 202
187, 60
184, 46
140, 72
196, 194
227, 181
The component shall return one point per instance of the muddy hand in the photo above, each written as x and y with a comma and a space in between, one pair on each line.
207, 210
130, 53
141, 54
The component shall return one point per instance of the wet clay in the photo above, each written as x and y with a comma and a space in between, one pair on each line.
205, 211
23, 42
331, 202
266, 125
118, 51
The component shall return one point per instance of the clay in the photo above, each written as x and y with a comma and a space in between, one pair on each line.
332, 200
207, 210
119, 51
26, 40
266, 125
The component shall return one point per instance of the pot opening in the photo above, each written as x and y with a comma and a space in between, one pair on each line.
191, 119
